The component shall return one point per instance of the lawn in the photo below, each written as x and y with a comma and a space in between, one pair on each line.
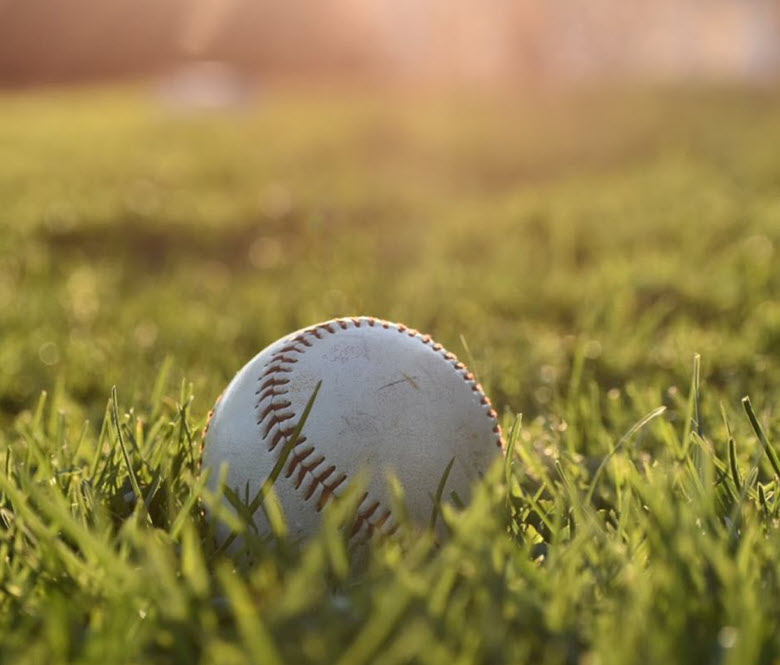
607, 263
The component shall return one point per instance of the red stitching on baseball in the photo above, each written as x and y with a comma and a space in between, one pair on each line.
274, 381
283, 433
370, 511
364, 518
271, 393
327, 491
277, 419
382, 520
274, 406
319, 480
278, 368
206, 429
281, 358
296, 457
290, 348
309, 468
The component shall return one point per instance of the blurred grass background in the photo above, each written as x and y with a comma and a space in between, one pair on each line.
638, 226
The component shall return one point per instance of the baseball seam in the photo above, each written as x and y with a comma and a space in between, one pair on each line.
306, 467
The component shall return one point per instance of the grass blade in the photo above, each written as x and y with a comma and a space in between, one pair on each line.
768, 449
439, 492
131, 474
625, 438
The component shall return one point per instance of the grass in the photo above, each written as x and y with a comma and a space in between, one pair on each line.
580, 251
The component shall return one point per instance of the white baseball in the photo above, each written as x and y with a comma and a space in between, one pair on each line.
390, 399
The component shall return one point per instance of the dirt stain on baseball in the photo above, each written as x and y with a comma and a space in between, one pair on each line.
406, 379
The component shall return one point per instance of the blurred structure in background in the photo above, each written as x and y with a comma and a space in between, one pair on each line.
204, 85
520, 42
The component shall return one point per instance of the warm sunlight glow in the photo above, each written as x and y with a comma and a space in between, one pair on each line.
524, 42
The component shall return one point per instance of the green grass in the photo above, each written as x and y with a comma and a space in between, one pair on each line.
579, 250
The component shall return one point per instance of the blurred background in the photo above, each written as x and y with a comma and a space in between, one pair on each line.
509, 42
567, 194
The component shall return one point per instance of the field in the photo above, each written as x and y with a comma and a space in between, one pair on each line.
607, 263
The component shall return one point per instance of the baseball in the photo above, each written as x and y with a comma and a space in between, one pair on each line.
390, 399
